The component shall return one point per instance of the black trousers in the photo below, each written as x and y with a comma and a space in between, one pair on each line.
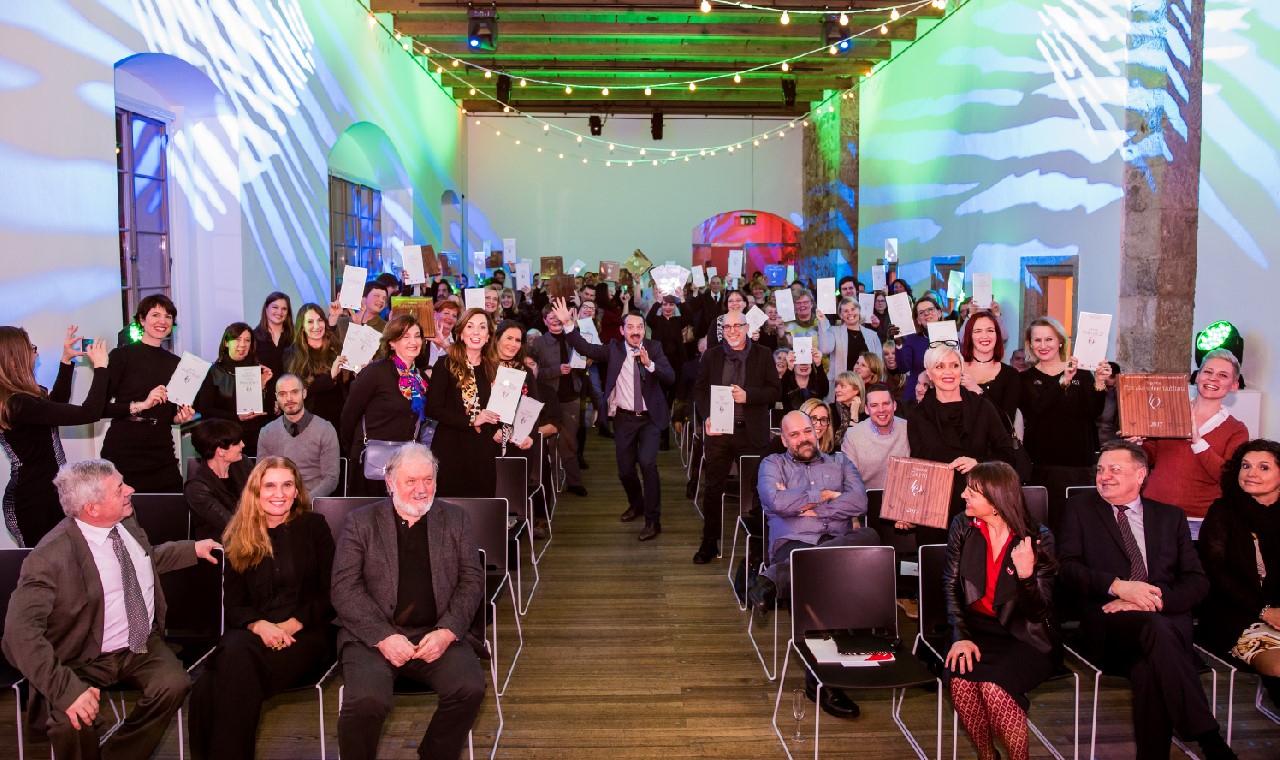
164, 685
636, 443
722, 452
367, 697
226, 701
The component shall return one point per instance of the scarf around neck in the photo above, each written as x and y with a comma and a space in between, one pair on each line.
411, 386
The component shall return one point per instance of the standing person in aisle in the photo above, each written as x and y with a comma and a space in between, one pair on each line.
563, 384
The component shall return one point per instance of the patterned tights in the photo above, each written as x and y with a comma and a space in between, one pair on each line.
985, 707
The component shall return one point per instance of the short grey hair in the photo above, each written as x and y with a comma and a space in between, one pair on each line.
938, 353
411, 452
1226, 356
82, 483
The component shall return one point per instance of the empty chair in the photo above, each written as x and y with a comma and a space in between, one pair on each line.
164, 517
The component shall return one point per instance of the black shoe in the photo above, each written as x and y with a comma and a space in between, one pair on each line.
631, 514
1215, 747
834, 702
691, 490
706, 552
650, 531
576, 490
762, 595
582, 464
606, 433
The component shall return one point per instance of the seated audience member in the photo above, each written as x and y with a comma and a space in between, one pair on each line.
1240, 547
406, 612
1189, 473
88, 613
870, 443
214, 482
870, 367
820, 415
306, 439
998, 582
1132, 563
846, 403
803, 382
810, 499
278, 618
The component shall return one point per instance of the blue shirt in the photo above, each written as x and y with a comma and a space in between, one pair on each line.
788, 487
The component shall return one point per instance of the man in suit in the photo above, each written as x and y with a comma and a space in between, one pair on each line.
562, 385
633, 390
708, 305
1132, 563
88, 613
748, 369
406, 585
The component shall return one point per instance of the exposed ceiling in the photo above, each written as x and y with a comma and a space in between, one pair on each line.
620, 45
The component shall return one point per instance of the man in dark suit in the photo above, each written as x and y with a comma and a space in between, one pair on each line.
1133, 565
88, 613
407, 583
633, 391
562, 385
708, 305
748, 369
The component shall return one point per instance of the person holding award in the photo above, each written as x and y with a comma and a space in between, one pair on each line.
468, 435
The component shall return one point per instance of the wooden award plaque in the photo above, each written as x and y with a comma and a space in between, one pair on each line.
421, 308
430, 262
1154, 406
917, 491
562, 286
609, 271
552, 266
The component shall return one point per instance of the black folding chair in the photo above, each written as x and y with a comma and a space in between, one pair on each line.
904, 542
335, 509
10, 677
770, 671
1037, 500
747, 467
490, 526
164, 517
194, 619
512, 484
748, 474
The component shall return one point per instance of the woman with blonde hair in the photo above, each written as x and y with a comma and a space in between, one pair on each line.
847, 403
279, 556
820, 415
468, 437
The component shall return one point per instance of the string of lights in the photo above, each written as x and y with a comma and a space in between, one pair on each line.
785, 14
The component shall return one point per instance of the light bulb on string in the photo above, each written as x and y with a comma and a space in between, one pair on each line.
705, 6
439, 69
730, 148
539, 148
786, 18
523, 83
655, 162
506, 109
473, 91
561, 155
648, 91
884, 29
786, 66
832, 49
584, 160
702, 152
517, 142
488, 74
397, 36
546, 127
604, 91
737, 79
673, 154
579, 138
756, 143
642, 151
568, 90
455, 63
686, 159
608, 163
766, 135
372, 21
610, 146
894, 15
713, 152
844, 19
497, 133
406, 47
693, 86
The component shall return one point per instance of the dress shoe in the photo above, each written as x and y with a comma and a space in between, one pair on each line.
834, 702
910, 608
576, 490
1215, 747
650, 531
631, 514
762, 595
606, 433
706, 552
582, 464
691, 490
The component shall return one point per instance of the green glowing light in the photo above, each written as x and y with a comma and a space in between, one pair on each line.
1214, 336
135, 332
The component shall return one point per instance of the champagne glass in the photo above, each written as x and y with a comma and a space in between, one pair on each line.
798, 704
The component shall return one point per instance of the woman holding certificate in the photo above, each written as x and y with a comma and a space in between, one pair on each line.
314, 358
217, 397
468, 436
140, 440
982, 346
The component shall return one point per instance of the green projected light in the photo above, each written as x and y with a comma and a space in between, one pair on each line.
135, 332
1221, 334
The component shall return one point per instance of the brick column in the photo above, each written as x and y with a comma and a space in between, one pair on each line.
830, 170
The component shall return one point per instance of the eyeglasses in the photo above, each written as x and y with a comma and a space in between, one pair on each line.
936, 343
927, 310
734, 326
820, 420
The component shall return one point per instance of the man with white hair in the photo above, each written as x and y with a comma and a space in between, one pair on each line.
407, 582
88, 613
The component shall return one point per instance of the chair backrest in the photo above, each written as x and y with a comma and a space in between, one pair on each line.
844, 587
1074, 490
536, 457
336, 508
933, 607
194, 599
775, 417
1037, 499
341, 488
164, 517
512, 474
11, 560
748, 474
489, 524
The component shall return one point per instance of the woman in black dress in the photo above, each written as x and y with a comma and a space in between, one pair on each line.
29, 420
314, 358
139, 441
279, 630
982, 346
216, 480
273, 334
217, 396
468, 437
387, 400
998, 582
1060, 404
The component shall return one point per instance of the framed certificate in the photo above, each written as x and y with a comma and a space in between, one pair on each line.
562, 286
917, 491
422, 308
552, 266
1154, 406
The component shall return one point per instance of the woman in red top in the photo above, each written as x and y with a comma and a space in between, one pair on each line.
998, 582
1186, 473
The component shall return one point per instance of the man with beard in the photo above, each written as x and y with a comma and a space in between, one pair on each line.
407, 582
298, 435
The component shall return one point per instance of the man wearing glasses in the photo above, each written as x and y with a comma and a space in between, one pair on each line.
747, 368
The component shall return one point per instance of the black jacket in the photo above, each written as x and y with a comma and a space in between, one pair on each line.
762, 386
211, 499
1237, 595
257, 594
375, 398
984, 436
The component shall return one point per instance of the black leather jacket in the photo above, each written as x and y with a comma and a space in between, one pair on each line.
1023, 607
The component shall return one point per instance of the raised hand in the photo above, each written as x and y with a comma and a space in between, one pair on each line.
97, 353
1024, 558
69, 350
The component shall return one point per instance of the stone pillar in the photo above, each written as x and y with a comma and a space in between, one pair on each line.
1161, 185
830, 169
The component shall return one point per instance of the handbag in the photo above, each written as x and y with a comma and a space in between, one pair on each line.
1022, 463
377, 454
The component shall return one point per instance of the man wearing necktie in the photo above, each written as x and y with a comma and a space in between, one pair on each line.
1135, 569
88, 613
633, 388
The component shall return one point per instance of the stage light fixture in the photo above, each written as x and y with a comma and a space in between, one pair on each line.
597, 125
655, 126
1220, 334
482, 27
789, 91
834, 35
504, 89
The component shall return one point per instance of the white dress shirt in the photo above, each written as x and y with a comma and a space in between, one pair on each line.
115, 622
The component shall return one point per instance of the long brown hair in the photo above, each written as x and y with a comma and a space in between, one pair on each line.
307, 362
999, 484
457, 351
394, 331
17, 370
245, 539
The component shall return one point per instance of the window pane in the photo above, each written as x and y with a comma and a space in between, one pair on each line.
375, 205
123, 196
148, 198
148, 147
153, 261
121, 119
126, 260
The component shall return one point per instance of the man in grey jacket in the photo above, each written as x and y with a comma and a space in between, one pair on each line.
407, 583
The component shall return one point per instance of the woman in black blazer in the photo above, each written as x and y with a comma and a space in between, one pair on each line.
998, 582
217, 396
387, 402
216, 480
278, 617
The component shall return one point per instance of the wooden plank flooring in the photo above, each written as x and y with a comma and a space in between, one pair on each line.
632, 651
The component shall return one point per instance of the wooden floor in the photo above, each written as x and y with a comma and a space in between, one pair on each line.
632, 651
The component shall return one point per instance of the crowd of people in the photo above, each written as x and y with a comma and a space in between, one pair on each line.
414, 424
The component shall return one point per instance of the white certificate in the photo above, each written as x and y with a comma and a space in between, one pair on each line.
1093, 331
505, 394
803, 348
474, 298
524, 274
878, 279
479, 261
699, 278
578, 266
721, 417
900, 313
735, 264
890, 250
827, 295
786, 307
588, 330
577, 360
712, 272
755, 317
359, 346
867, 303
248, 390
791, 274
942, 330
187, 379
352, 294
411, 256
526, 417
509, 251
955, 284
982, 295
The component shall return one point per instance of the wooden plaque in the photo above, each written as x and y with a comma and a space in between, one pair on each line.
430, 262
609, 271
917, 491
1154, 406
637, 263
421, 308
495, 260
552, 266
562, 286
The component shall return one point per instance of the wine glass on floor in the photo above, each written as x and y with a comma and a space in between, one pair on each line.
798, 704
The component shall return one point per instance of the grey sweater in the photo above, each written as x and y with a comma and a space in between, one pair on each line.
869, 450
314, 451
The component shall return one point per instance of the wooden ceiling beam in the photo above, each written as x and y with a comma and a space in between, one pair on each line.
592, 100
432, 31
639, 50
673, 108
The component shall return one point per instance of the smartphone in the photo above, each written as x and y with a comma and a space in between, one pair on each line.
85, 343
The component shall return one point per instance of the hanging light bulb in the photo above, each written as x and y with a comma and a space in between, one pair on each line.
786, 18
730, 148
737, 79
455, 63
608, 163
473, 91
705, 7
372, 21
579, 138
488, 74
648, 91
506, 109
439, 69
713, 152
686, 159
884, 29
517, 142
546, 127
655, 162
610, 147
673, 154
584, 160
497, 133
523, 83
605, 92
693, 86
568, 90
539, 148
832, 50
561, 155
477, 122
786, 66
642, 151
844, 18
702, 152
894, 15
